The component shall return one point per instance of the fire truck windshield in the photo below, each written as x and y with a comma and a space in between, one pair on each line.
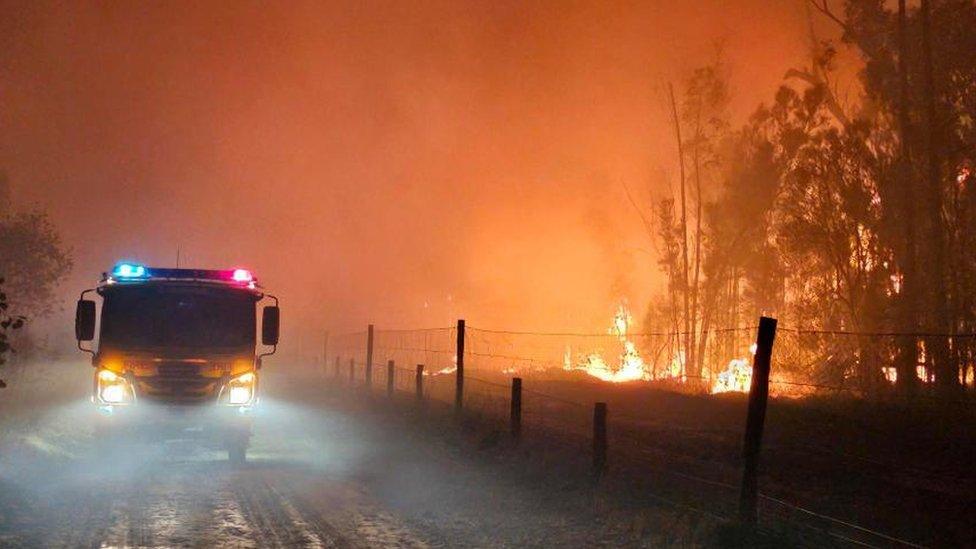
183, 317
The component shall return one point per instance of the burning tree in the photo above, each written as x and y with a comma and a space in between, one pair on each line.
835, 216
700, 124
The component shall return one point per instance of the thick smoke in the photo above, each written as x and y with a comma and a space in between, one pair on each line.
393, 163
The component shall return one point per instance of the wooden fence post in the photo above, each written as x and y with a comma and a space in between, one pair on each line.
419, 384
516, 416
369, 357
599, 439
758, 395
325, 354
390, 379
352, 372
459, 377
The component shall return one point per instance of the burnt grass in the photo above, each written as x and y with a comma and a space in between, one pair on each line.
899, 468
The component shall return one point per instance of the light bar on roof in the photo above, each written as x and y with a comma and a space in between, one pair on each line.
129, 270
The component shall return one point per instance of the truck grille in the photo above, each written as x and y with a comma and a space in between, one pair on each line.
177, 383
178, 369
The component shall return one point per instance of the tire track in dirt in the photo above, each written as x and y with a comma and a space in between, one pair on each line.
342, 507
274, 521
172, 506
81, 522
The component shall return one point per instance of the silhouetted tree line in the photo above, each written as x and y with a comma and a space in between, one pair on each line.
834, 215
33, 260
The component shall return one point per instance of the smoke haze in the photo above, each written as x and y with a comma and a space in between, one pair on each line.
396, 162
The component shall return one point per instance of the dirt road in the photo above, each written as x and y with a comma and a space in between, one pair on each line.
205, 505
321, 472
299, 488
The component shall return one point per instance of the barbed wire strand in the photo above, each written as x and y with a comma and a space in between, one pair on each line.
606, 334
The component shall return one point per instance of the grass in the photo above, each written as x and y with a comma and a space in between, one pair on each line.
900, 468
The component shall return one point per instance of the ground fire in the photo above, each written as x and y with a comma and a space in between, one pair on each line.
630, 366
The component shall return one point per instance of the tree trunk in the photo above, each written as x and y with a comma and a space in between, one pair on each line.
946, 371
696, 366
909, 288
689, 335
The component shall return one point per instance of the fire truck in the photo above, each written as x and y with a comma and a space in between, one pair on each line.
177, 355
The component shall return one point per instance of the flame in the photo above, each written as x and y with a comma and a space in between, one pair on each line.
630, 367
737, 377
444, 371
676, 368
890, 374
923, 374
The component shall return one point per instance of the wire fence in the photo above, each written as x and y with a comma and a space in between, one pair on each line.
839, 417
807, 362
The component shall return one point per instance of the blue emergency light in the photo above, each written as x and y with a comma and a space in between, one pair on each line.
129, 270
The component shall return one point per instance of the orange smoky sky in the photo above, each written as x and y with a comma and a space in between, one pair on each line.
404, 163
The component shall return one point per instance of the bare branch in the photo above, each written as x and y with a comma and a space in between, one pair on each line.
823, 6
647, 223
829, 98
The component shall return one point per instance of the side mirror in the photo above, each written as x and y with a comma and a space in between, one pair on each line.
270, 320
85, 320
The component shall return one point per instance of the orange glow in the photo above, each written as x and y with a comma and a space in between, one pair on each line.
435, 139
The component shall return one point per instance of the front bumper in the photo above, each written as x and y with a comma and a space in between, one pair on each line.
162, 422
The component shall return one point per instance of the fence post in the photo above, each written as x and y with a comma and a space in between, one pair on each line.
369, 357
756, 417
516, 408
599, 439
352, 372
459, 377
325, 354
419, 383
390, 372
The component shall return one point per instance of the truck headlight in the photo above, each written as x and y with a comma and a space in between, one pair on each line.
241, 389
113, 388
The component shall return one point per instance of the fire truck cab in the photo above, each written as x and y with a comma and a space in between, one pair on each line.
177, 355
